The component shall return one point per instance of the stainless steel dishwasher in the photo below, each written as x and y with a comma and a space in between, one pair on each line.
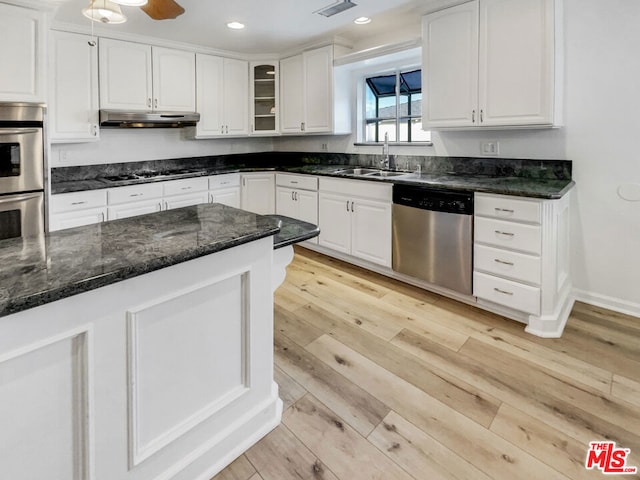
433, 236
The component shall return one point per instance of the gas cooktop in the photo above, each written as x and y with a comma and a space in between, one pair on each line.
160, 174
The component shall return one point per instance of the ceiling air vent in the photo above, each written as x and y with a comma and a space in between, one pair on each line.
336, 8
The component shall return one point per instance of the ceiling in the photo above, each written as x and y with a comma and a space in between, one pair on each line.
272, 26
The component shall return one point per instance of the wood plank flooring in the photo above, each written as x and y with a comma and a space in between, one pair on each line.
383, 381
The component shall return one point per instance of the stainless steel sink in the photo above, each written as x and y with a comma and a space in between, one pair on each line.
357, 171
385, 173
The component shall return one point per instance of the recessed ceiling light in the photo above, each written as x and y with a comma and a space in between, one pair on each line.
362, 20
235, 25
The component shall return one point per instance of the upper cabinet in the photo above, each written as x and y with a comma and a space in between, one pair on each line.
134, 76
491, 63
222, 96
265, 104
73, 96
22, 54
306, 91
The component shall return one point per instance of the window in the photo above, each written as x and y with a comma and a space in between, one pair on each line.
393, 106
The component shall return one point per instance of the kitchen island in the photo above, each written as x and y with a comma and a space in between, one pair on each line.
140, 348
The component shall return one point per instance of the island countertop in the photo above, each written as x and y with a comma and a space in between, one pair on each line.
39, 270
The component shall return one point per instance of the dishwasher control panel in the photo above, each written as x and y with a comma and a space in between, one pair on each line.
436, 200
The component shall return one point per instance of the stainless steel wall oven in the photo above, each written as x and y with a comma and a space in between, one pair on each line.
21, 170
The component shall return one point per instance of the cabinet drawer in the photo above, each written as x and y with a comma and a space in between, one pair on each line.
188, 185
358, 188
514, 265
67, 202
297, 181
508, 208
224, 181
506, 292
134, 193
516, 236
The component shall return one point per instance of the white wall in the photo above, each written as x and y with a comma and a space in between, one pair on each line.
602, 120
136, 145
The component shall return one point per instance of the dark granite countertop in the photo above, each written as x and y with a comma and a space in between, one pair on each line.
527, 178
38, 270
292, 231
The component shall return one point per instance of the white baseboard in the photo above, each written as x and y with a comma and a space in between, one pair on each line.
605, 301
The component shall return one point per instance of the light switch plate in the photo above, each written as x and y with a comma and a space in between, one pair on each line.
490, 148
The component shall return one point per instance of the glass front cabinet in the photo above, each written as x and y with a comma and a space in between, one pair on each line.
265, 104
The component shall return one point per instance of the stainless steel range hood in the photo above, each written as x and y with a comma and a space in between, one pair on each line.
128, 119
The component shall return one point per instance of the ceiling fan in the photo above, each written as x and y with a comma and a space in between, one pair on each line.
109, 11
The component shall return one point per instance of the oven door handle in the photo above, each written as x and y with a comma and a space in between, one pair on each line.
18, 197
21, 131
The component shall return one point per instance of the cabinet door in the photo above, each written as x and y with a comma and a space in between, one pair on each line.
74, 88
291, 95
307, 203
59, 221
258, 193
371, 231
127, 210
516, 62
125, 75
318, 88
236, 97
209, 72
21, 54
227, 196
179, 201
286, 203
334, 217
264, 105
450, 67
174, 80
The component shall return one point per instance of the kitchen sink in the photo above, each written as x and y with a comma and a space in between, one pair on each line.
369, 172
357, 171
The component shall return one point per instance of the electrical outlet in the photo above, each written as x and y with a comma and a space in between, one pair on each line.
490, 148
323, 147
63, 156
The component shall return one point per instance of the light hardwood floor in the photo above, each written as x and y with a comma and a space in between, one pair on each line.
381, 380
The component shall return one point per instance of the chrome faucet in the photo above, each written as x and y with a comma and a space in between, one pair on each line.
385, 152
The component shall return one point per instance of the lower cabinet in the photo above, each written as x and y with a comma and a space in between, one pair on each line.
258, 193
521, 259
225, 189
134, 209
134, 200
76, 209
297, 197
356, 223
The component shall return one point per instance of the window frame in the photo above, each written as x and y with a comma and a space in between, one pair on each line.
363, 121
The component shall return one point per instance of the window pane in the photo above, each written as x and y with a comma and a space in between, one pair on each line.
411, 131
370, 100
380, 127
387, 107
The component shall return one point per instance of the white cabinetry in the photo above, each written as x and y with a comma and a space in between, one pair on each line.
73, 112
225, 189
521, 259
306, 92
135, 76
134, 200
297, 197
77, 209
265, 101
355, 218
491, 63
258, 192
184, 193
222, 96
22, 54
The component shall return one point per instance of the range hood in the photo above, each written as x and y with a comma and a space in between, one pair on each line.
128, 119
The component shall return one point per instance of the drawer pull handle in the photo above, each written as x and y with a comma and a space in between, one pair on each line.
505, 210
186, 188
347, 205
497, 260
78, 203
504, 292
136, 195
506, 234
225, 183
294, 181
